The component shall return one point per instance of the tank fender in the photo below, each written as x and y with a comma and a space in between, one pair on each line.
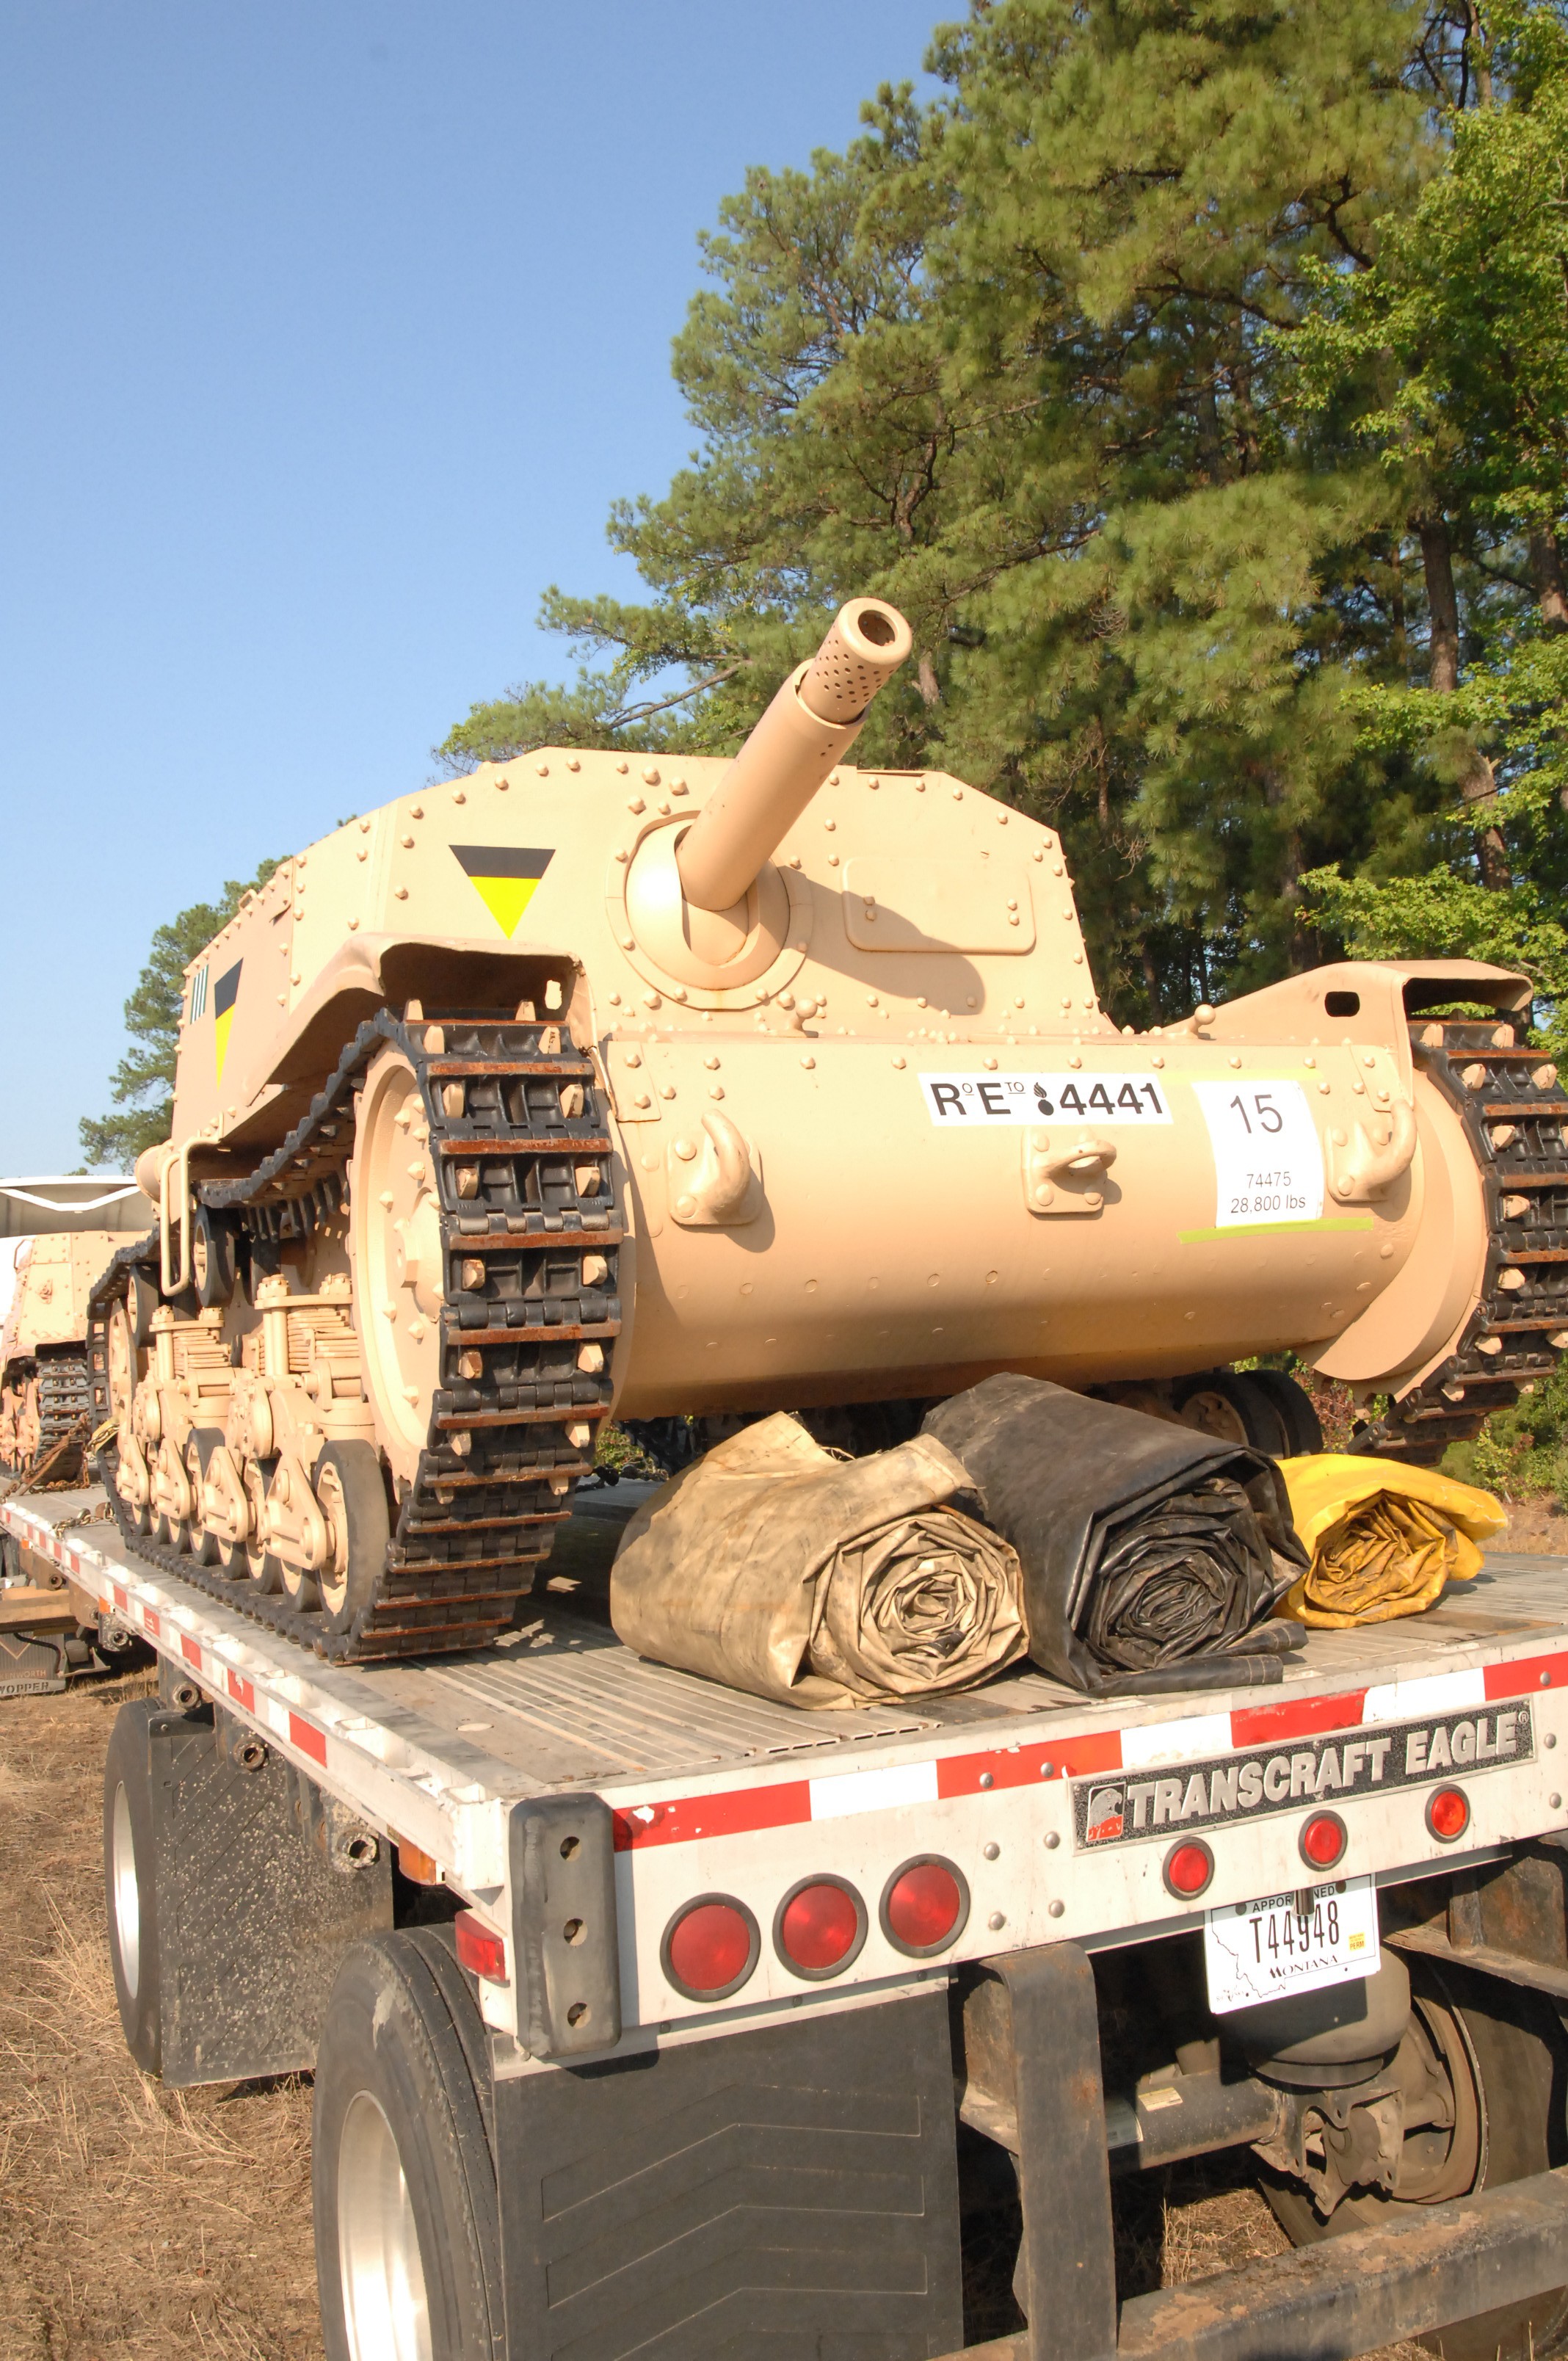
1370, 1000
387, 971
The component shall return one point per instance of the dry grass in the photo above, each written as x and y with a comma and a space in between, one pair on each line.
135, 2224
139, 2223
1193, 2220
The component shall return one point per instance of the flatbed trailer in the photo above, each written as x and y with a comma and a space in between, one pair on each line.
476, 1895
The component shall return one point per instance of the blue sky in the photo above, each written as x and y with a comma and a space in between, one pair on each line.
330, 334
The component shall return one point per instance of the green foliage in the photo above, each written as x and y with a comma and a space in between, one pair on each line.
142, 1084
1440, 915
1520, 1453
1454, 338
1133, 369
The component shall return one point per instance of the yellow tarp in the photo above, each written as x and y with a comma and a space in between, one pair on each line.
1384, 1538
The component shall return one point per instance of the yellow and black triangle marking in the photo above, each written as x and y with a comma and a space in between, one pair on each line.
225, 992
504, 877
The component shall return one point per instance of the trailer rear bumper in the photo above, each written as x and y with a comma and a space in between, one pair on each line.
1348, 2295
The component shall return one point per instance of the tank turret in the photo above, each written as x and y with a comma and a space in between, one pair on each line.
592, 1083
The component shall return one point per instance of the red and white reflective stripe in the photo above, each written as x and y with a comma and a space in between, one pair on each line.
792, 1803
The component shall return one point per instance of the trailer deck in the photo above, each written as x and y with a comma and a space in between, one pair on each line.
1005, 1780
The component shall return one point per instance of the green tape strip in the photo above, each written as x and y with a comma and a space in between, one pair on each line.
1262, 1229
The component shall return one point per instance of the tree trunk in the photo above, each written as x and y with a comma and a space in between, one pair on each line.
1550, 588
1442, 604
1151, 980
1479, 784
927, 681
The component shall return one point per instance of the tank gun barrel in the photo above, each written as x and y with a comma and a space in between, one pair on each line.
808, 728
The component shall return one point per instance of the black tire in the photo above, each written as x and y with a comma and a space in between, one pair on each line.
352, 1473
1520, 2060
1293, 1405
402, 2165
214, 1258
130, 1882
1225, 1403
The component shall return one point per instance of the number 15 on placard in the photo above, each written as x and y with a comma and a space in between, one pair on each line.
1269, 1162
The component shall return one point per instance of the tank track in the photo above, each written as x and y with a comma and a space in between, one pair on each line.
65, 1399
472, 1525
1515, 1113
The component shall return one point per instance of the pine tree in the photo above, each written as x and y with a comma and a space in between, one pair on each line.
1452, 351
1025, 360
142, 1084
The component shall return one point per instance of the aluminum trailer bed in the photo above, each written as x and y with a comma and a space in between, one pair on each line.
575, 1802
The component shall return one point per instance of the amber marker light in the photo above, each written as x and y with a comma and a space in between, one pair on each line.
1187, 1868
924, 1906
479, 1948
1448, 1813
819, 1926
710, 1947
1323, 1841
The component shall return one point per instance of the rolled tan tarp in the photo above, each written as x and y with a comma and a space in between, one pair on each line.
1385, 1540
777, 1567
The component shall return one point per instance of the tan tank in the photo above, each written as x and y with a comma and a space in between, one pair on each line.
48, 1263
590, 1081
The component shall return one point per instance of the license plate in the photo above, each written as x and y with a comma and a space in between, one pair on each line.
1290, 1942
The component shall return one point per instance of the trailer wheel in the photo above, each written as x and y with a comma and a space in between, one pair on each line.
1507, 2058
130, 1884
408, 2239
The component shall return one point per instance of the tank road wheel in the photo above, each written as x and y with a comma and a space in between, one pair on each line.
1505, 2059
141, 1302
213, 1262
353, 1496
206, 1547
262, 1570
395, 1239
172, 1531
122, 1358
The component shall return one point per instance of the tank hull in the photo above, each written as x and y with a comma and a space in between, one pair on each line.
484, 1133
898, 1251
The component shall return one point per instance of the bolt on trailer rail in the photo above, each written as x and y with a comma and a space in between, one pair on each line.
605, 1826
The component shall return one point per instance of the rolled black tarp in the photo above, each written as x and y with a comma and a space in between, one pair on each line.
1152, 1555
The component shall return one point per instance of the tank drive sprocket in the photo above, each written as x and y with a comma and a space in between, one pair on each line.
1514, 1110
506, 1244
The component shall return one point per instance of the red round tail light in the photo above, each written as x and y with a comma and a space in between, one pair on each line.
924, 1906
820, 1926
1187, 1868
1323, 1841
1448, 1813
710, 1947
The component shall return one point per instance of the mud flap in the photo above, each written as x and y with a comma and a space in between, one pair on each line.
31, 1667
788, 2192
253, 1916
